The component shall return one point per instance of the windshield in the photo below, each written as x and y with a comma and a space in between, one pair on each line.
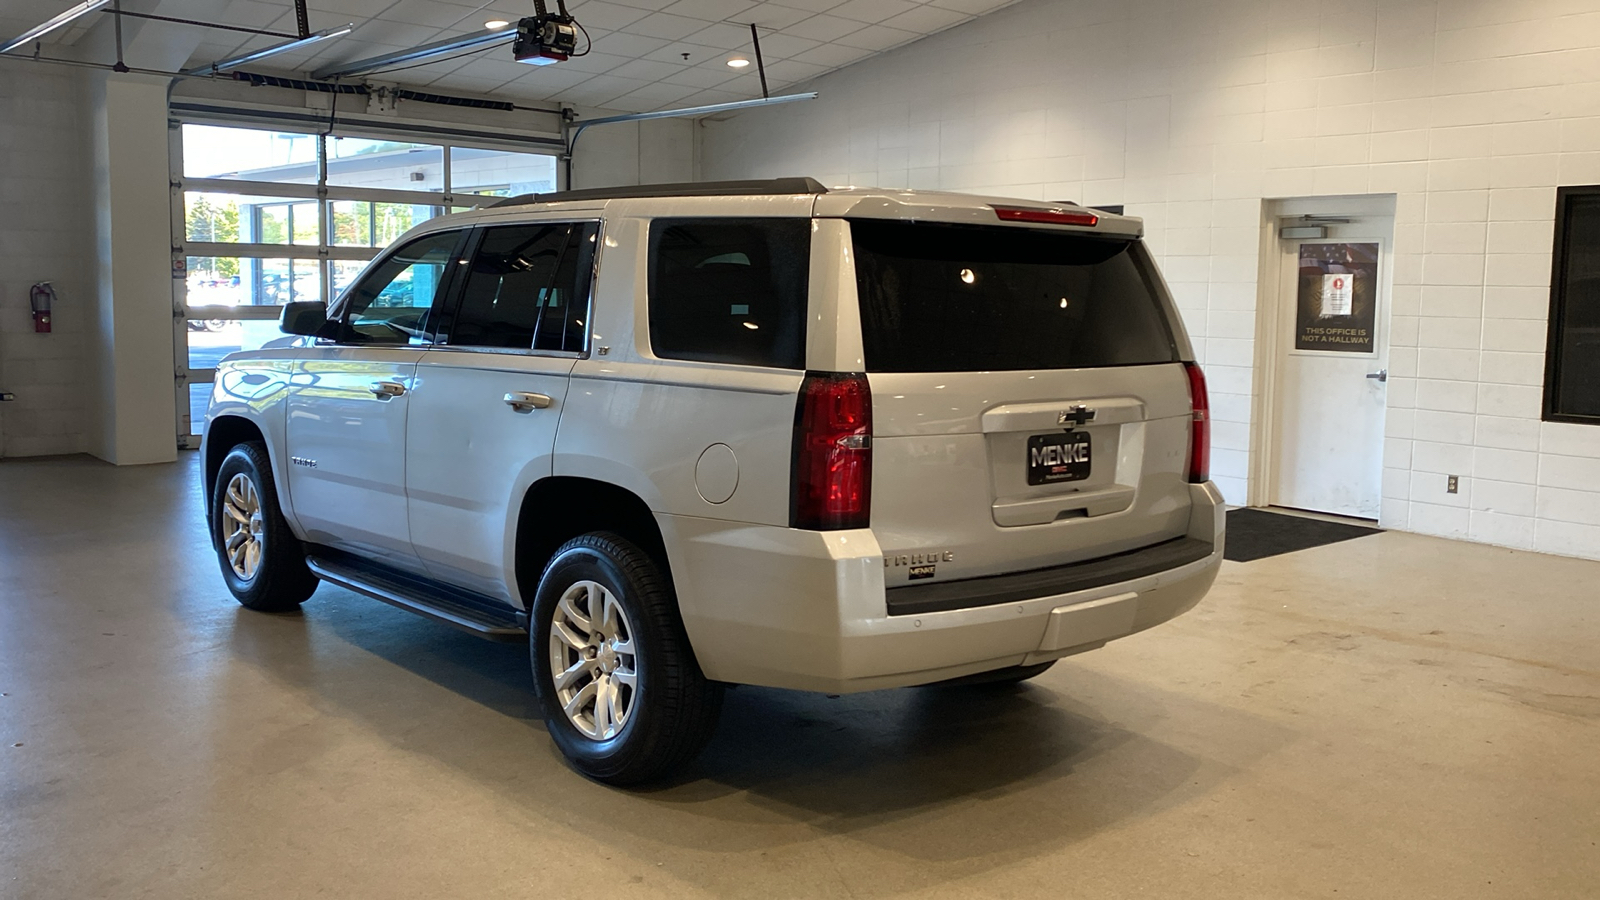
957, 298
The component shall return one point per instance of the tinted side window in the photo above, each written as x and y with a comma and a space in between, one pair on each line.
393, 301
528, 288
730, 290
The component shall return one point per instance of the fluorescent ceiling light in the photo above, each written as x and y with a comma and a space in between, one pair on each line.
223, 65
738, 62
416, 54
496, 24
39, 31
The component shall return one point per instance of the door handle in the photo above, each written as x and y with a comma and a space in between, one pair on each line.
1380, 375
526, 401
386, 389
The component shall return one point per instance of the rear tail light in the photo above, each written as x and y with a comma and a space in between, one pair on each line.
833, 452
1200, 426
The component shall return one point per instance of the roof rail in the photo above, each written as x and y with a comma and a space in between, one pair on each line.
682, 189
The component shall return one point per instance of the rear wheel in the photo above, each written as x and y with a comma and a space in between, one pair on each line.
621, 693
263, 563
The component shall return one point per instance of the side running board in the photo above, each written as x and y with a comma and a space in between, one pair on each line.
441, 603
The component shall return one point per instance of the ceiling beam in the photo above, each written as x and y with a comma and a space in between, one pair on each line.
462, 42
44, 28
223, 65
698, 110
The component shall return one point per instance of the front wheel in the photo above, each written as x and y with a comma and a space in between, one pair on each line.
263, 563
621, 693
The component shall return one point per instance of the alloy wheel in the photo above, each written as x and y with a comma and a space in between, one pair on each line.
594, 662
242, 526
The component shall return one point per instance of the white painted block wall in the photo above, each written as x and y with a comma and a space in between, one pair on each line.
44, 236
650, 152
1190, 113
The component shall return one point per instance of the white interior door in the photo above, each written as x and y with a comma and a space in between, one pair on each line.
1333, 369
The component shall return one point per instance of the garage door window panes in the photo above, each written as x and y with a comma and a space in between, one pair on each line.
366, 223
501, 173
389, 165
269, 217
250, 281
212, 339
344, 274
248, 154
286, 223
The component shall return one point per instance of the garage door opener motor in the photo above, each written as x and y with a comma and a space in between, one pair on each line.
546, 38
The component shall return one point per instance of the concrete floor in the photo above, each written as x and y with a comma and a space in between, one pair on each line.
1394, 716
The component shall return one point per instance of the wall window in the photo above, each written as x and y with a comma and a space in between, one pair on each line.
730, 290
1572, 358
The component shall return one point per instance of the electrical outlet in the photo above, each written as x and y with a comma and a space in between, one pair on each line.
1451, 485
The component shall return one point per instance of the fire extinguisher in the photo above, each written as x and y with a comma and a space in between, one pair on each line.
40, 299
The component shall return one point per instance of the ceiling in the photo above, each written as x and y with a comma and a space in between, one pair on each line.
647, 54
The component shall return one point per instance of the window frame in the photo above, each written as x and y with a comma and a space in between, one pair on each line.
1556, 327
447, 318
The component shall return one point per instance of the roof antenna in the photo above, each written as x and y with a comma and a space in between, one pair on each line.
760, 66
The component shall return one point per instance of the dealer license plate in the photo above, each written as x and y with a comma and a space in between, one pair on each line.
1062, 456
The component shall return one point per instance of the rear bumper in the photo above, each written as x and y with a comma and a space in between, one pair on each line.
808, 610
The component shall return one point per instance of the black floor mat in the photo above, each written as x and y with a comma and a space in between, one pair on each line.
1257, 534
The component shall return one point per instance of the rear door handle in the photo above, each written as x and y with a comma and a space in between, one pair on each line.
526, 401
386, 389
1380, 375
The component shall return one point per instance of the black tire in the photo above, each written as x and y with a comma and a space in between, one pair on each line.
281, 581
998, 678
671, 710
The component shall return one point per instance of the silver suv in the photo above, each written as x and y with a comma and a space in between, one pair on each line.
683, 436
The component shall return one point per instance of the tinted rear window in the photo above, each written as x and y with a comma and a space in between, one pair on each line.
730, 290
951, 298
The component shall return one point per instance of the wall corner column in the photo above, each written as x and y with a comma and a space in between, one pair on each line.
131, 383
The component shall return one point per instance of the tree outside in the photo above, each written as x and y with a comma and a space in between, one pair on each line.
215, 222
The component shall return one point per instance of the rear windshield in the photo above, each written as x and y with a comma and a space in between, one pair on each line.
955, 298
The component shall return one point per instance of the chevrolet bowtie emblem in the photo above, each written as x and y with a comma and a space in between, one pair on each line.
1076, 416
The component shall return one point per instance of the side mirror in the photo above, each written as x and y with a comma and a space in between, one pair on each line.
304, 317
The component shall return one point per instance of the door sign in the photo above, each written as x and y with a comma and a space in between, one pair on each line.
1336, 295
1338, 299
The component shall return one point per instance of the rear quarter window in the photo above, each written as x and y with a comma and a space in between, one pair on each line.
953, 298
730, 290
